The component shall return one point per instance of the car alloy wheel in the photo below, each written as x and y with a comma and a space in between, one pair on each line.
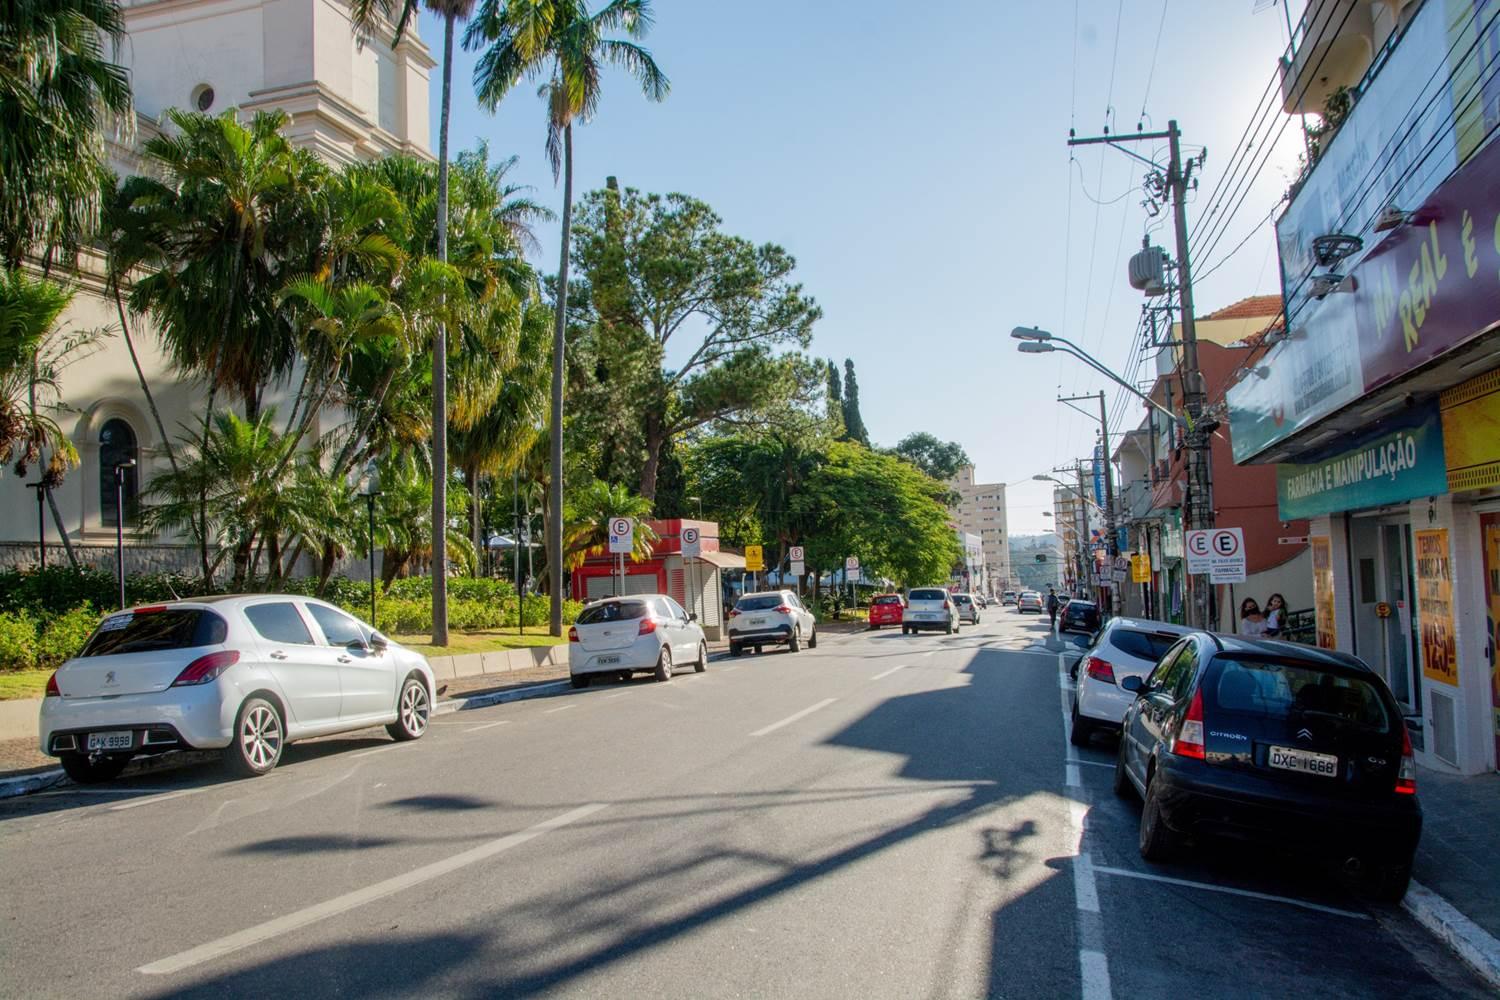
1156, 841
702, 663
794, 644
664, 665
812, 640
258, 739
412, 711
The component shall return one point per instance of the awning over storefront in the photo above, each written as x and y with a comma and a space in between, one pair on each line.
724, 560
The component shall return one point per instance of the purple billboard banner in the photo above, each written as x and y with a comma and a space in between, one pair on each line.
1433, 283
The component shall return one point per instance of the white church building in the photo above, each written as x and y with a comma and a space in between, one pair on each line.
346, 101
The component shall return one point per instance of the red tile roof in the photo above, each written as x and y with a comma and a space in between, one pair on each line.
1253, 307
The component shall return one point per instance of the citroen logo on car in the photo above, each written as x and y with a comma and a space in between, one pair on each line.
1304, 734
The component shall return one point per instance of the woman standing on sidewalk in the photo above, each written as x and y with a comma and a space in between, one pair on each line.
1252, 623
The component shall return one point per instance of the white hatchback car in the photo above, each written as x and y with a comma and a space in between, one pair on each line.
968, 608
245, 674
620, 635
929, 608
1124, 647
771, 618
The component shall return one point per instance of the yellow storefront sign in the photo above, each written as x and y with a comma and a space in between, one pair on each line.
1471, 433
1435, 605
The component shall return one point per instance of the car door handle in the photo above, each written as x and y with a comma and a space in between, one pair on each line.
345, 659
277, 654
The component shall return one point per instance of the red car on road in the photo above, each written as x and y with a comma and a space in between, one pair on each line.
886, 609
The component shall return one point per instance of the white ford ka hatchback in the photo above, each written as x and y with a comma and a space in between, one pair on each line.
246, 674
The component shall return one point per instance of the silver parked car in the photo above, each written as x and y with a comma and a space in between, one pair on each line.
621, 635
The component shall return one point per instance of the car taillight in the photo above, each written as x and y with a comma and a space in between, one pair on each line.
734, 612
783, 609
1189, 741
1100, 670
53, 691
151, 610
1406, 777
947, 605
648, 625
206, 668
572, 633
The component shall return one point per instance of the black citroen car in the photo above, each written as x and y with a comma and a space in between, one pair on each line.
1079, 616
1299, 748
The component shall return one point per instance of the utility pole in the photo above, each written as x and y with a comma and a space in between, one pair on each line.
1083, 527
1176, 182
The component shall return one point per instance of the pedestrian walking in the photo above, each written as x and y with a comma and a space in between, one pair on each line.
1275, 615
1252, 622
1052, 605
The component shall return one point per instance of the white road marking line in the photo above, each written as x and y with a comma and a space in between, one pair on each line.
1074, 779
342, 904
1094, 968
888, 673
794, 717
1085, 890
560, 708
156, 798
102, 791
1210, 887
489, 725
1096, 763
617, 694
366, 753
725, 670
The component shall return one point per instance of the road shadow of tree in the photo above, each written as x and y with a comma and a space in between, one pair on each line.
951, 738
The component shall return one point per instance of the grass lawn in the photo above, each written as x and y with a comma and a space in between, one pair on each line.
23, 683
477, 642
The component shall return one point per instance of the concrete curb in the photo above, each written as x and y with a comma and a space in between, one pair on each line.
540, 690
1467, 939
28, 783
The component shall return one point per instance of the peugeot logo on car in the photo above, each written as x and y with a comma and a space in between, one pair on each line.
109, 678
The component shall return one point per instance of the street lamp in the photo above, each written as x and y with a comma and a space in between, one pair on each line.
371, 491
485, 534
699, 502
1034, 341
120, 470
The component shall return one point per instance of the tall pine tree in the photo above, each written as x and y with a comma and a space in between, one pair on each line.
835, 403
854, 424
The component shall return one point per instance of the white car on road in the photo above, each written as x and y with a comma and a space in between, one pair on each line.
771, 618
620, 635
968, 608
1124, 647
245, 674
929, 608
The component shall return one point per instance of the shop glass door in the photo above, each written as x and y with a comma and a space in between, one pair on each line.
1397, 629
1489, 530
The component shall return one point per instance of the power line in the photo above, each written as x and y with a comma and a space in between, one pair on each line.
1151, 73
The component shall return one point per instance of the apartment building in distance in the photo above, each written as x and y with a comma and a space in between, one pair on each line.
981, 511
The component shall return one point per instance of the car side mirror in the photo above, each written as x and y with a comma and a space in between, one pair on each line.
379, 643
692, 616
1133, 684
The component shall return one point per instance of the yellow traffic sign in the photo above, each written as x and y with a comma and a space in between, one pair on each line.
754, 558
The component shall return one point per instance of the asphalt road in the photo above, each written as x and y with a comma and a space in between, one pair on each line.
884, 816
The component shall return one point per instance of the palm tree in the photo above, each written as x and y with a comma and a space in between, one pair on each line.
562, 42
57, 94
365, 16
589, 514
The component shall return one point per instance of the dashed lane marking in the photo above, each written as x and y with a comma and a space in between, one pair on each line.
794, 717
887, 673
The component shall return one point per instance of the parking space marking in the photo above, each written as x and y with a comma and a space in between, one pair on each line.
156, 798
102, 791
1096, 763
1093, 964
1074, 779
488, 725
617, 694
560, 708
887, 673
366, 753
1229, 890
342, 904
794, 717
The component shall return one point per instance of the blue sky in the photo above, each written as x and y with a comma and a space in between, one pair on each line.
913, 158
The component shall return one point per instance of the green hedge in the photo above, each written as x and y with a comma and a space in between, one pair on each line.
47, 615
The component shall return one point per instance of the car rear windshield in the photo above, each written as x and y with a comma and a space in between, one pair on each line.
887, 599
1142, 645
1295, 692
761, 602
961, 598
142, 632
612, 611
1075, 606
928, 595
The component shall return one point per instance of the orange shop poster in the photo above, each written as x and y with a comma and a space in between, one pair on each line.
1322, 560
1435, 606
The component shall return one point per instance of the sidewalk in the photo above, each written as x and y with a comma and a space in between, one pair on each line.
1457, 868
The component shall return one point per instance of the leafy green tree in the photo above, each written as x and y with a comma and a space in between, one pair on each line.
33, 353
659, 271
58, 91
560, 41
939, 459
854, 424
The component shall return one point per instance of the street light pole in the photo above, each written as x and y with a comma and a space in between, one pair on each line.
120, 468
515, 559
371, 491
